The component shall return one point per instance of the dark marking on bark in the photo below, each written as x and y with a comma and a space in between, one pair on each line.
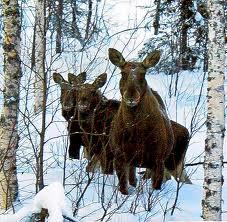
208, 194
210, 78
11, 11
208, 124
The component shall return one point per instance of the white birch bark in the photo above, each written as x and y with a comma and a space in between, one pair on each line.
39, 54
9, 115
213, 162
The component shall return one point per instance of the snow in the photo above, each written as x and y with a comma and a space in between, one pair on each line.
52, 198
132, 208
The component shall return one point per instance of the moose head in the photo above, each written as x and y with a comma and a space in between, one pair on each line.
133, 84
67, 97
88, 95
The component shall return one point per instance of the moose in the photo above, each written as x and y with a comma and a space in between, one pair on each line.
94, 113
83, 123
141, 134
68, 103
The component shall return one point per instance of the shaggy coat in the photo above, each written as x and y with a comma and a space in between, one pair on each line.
94, 116
68, 103
141, 134
175, 162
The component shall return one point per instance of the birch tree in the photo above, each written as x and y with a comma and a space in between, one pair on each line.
40, 84
38, 55
9, 116
213, 161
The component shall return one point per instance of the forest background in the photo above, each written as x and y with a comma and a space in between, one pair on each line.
74, 36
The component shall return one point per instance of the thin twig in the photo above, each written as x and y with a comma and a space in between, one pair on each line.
70, 219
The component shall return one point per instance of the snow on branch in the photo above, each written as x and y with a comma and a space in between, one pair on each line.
52, 198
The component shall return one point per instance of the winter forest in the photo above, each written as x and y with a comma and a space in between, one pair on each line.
113, 110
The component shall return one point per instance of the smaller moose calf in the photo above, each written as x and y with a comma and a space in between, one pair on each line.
94, 115
68, 103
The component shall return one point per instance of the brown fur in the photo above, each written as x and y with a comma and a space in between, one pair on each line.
95, 114
141, 135
68, 102
175, 162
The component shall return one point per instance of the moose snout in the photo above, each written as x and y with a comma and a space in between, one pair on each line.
82, 107
131, 101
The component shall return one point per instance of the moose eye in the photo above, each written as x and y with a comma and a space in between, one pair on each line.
93, 93
124, 75
140, 79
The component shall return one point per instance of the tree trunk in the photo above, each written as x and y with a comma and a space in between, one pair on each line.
156, 23
9, 116
59, 14
40, 85
213, 161
88, 25
39, 49
185, 17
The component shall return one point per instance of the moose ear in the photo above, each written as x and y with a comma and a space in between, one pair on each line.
100, 81
58, 78
71, 78
152, 59
116, 57
79, 79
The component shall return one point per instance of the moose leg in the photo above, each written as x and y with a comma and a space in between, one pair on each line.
180, 174
74, 146
75, 140
158, 175
122, 174
92, 164
107, 165
150, 173
86, 152
107, 161
184, 177
132, 176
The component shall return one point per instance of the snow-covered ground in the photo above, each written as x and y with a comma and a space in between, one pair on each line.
119, 208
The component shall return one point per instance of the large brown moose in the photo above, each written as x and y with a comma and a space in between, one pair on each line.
68, 103
141, 133
94, 115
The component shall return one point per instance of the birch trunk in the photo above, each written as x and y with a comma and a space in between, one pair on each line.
39, 53
59, 26
213, 161
156, 23
9, 116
